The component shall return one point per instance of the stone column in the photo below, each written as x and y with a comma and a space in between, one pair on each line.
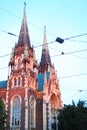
26, 109
44, 116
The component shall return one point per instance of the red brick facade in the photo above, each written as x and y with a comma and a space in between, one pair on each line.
34, 86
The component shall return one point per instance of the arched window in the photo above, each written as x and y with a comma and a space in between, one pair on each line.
32, 111
15, 81
16, 112
19, 63
19, 81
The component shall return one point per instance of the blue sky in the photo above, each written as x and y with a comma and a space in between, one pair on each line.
63, 18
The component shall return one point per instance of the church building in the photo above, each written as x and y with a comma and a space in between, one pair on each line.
31, 93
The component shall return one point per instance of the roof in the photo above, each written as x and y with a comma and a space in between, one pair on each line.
41, 80
3, 84
45, 57
24, 34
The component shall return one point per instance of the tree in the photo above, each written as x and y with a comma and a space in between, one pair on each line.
3, 115
73, 117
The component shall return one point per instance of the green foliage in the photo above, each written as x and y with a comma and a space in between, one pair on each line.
3, 123
73, 117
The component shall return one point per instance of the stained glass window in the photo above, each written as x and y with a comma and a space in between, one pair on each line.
19, 81
16, 112
32, 111
15, 81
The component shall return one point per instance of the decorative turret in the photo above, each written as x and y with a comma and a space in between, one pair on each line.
11, 62
35, 61
45, 58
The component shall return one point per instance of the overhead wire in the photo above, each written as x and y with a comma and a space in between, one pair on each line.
74, 95
79, 56
43, 29
74, 89
62, 53
41, 45
75, 36
77, 41
75, 75
69, 38
20, 18
64, 77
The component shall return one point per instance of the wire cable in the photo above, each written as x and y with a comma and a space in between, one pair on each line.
77, 41
74, 95
75, 36
41, 27
67, 53
75, 75
79, 56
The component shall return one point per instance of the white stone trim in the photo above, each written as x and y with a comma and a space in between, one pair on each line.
44, 116
26, 109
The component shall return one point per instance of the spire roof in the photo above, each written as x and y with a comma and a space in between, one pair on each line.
45, 58
45, 45
24, 34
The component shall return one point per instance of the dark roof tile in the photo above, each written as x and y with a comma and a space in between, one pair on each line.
3, 84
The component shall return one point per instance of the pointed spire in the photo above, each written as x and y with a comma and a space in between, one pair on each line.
45, 58
45, 45
24, 34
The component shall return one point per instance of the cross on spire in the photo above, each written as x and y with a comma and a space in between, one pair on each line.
45, 29
24, 4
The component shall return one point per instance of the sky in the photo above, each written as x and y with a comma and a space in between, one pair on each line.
62, 18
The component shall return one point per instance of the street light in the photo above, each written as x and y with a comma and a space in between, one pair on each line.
60, 40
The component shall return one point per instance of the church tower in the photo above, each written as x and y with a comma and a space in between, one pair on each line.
22, 82
32, 92
49, 85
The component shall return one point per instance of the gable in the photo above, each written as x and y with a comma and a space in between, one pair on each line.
41, 80
3, 84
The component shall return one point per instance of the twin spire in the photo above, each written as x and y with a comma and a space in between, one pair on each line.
45, 58
24, 40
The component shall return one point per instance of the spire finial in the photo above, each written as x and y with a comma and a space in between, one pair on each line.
45, 46
24, 5
24, 34
45, 28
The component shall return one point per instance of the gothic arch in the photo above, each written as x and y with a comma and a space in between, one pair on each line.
16, 95
15, 81
15, 115
54, 101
